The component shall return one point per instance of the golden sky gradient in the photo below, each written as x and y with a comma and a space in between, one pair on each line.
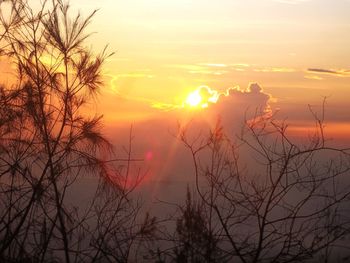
237, 55
296, 50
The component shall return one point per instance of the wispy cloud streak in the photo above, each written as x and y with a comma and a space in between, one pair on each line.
338, 72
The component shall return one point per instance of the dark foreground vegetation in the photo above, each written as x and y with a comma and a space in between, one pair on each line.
290, 205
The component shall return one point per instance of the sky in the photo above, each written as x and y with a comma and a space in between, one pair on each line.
279, 56
296, 50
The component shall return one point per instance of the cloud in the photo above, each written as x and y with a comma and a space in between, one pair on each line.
240, 66
115, 79
232, 107
236, 105
238, 99
222, 68
215, 65
313, 77
209, 72
208, 94
291, 1
164, 106
188, 67
201, 68
275, 69
220, 102
339, 72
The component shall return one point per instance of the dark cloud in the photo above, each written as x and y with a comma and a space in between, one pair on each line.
319, 70
341, 72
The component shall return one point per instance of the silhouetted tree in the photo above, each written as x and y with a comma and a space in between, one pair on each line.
289, 203
47, 141
195, 242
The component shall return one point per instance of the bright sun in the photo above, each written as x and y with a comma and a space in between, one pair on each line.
194, 99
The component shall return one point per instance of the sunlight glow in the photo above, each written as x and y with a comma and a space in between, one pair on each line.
194, 99
202, 97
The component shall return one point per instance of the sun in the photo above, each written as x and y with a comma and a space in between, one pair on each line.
194, 99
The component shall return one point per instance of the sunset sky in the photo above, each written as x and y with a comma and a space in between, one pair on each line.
174, 130
297, 50
276, 55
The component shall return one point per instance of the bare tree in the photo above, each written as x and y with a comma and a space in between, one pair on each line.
47, 142
289, 203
